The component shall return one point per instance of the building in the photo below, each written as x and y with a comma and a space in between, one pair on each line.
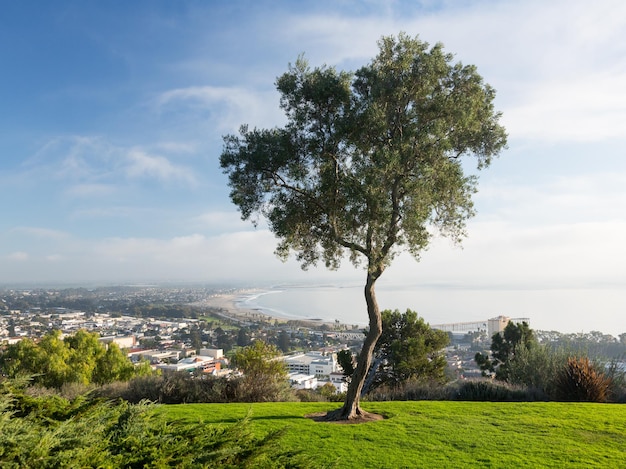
302, 381
123, 342
216, 353
312, 363
498, 324
204, 364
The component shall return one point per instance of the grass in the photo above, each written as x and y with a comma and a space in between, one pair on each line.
440, 433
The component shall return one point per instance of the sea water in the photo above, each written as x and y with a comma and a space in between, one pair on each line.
558, 309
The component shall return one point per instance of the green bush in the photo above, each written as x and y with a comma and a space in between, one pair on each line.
493, 391
579, 380
105, 434
185, 388
536, 368
413, 390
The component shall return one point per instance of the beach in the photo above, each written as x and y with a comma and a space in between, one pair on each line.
233, 306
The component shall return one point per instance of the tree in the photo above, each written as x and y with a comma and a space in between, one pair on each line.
243, 339
284, 341
408, 349
345, 359
505, 347
114, 365
264, 374
368, 163
78, 358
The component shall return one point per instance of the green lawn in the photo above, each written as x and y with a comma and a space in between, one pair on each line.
440, 434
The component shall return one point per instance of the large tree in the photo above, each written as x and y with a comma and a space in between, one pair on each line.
368, 163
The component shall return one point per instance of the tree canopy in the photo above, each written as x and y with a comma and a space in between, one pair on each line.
408, 349
368, 163
264, 373
505, 346
79, 358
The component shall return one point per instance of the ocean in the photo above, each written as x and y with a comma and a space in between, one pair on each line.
558, 309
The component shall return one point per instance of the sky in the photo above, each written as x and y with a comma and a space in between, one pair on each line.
112, 116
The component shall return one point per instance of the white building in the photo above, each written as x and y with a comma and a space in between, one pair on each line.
121, 341
338, 380
206, 364
312, 363
302, 381
216, 353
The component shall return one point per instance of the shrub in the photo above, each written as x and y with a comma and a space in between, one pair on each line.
536, 368
580, 381
483, 390
96, 433
413, 390
617, 374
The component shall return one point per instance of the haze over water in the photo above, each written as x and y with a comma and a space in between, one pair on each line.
547, 309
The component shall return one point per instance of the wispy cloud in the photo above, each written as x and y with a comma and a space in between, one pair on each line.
95, 166
225, 107
38, 232
142, 164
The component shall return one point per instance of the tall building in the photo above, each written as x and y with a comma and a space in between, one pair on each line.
497, 324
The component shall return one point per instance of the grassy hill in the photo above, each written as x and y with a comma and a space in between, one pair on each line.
439, 434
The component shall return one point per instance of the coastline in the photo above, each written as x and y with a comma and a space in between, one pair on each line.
233, 306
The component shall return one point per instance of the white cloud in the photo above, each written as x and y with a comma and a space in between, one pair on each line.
18, 256
564, 199
142, 164
227, 108
559, 67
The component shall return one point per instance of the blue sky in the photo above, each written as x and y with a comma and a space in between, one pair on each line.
113, 113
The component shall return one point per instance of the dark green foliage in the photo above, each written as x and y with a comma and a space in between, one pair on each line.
345, 359
482, 390
101, 434
536, 367
471, 390
504, 348
284, 341
409, 349
579, 380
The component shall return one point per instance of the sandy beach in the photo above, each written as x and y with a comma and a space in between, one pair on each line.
228, 305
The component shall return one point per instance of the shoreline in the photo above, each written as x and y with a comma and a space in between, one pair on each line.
230, 306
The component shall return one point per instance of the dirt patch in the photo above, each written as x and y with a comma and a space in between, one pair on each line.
329, 417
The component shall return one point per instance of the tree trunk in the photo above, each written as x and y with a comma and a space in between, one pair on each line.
351, 409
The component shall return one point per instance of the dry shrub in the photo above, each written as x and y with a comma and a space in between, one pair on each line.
580, 381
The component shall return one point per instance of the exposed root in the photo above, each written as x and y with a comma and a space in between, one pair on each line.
338, 416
